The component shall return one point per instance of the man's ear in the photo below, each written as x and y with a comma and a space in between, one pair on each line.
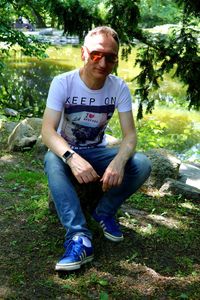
83, 54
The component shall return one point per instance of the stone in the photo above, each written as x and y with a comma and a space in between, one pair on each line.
36, 124
164, 165
193, 154
40, 148
25, 134
112, 141
175, 187
189, 173
46, 31
10, 112
22, 137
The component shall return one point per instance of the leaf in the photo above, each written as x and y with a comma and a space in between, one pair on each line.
103, 282
103, 296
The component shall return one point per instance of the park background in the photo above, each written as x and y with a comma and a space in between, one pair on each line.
159, 59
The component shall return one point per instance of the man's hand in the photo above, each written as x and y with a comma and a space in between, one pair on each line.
81, 169
112, 176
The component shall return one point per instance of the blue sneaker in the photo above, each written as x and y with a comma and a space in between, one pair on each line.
110, 227
76, 254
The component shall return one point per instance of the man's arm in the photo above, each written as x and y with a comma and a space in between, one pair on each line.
115, 171
50, 137
81, 169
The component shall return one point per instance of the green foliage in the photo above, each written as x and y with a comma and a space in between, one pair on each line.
178, 50
155, 12
167, 129
25, 81
10, 37
160, 53
126, 23
190, 6
164, 128
25, 89
76, 16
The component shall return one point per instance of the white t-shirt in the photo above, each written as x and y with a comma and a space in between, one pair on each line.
86, 112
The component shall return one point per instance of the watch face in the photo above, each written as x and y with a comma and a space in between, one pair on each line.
67, 154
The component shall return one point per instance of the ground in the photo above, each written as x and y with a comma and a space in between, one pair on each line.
158, 259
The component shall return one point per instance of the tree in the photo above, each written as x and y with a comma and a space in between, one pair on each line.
34, 10
154, 12
159, 54
10, 37
76, 16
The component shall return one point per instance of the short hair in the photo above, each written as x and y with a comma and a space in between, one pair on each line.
102, 30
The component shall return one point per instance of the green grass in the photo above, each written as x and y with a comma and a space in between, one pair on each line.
164, 240
169, 128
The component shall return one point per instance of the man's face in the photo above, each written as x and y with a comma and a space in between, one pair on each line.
101, 67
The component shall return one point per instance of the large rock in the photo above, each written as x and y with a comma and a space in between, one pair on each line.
164, 165
40, 148
35, 123
174, 187
190, 174
25, 134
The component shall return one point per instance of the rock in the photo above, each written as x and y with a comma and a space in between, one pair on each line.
46, 31
10, 112
7, 127
189, 173
193, 154
164, 165
174, 187
36, 124
25, 134
112, 141
40, 148
22, 137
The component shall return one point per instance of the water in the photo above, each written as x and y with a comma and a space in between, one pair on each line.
27, 80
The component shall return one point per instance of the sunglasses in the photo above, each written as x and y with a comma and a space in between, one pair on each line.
97, 56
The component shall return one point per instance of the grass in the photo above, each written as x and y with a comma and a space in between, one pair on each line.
173, 129
159, 258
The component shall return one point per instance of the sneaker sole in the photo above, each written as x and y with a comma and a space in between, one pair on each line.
113, 238
73, 266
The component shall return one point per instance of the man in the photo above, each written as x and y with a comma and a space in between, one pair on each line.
79, 106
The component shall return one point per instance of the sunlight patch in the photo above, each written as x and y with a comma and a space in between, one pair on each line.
189, 206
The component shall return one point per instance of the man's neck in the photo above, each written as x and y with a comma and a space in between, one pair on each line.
90, 82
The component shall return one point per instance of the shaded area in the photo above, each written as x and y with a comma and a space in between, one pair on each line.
159, 258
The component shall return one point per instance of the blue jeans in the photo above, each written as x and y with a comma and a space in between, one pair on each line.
67, 203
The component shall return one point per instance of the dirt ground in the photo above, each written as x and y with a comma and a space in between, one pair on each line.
31, 238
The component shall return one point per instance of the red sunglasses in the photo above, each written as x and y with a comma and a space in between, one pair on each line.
97, 56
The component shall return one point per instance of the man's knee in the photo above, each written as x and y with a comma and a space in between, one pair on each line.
52, 163
142, 164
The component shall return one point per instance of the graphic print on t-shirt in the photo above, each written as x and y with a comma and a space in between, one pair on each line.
84, 126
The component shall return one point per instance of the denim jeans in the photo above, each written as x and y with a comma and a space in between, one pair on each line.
66, 200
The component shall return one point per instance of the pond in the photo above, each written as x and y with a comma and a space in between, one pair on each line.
26, 82
25, 74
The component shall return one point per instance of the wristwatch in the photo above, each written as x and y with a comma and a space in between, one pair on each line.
67, 155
